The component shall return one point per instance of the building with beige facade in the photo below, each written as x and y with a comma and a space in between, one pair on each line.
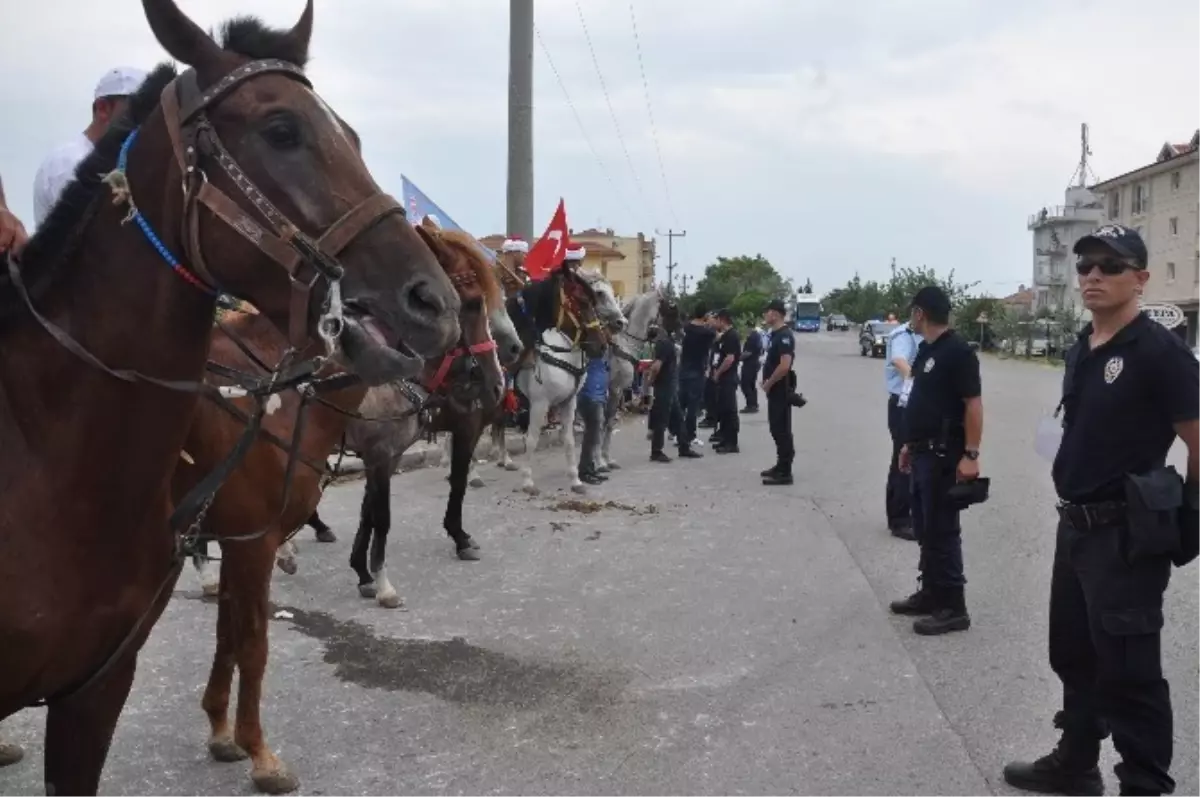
625, 261
1162, 202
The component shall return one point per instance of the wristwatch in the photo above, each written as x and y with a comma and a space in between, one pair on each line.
971, 454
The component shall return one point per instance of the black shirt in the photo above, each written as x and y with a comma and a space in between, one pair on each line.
1120, 402
697, 339
664, 352
753, 347
782, 342
729, 346
945, 374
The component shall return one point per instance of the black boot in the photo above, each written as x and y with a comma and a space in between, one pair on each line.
1071, 768
949, 614
920, 602
778, 478
687, 452
903, 530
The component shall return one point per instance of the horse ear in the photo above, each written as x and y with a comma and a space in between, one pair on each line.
428, 233
301, 32
180, 37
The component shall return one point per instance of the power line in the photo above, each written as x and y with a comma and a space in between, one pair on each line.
662, 171
583, 130
611, 112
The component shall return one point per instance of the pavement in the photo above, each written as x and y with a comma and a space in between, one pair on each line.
689, 632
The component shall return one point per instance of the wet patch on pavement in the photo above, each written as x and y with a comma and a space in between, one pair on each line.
454, 670
588, 507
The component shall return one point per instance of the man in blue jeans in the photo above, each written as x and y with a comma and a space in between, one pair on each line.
698, 337
592, 399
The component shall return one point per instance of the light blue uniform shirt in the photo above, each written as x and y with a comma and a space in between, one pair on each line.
902, 342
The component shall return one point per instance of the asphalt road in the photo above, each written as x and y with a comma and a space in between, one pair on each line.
701, 634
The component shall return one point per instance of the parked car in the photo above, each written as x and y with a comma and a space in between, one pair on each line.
872, 341
837, 321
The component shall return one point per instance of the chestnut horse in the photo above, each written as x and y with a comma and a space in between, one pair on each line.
465, 394
275, 489
104, 332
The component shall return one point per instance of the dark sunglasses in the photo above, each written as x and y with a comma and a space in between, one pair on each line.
1108, 267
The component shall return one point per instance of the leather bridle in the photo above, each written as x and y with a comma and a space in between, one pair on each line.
305, 259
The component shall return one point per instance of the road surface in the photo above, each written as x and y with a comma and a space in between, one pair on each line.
700, 634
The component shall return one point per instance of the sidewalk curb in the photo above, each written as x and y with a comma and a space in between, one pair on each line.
423, 454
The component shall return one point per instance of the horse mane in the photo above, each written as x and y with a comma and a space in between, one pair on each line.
468, 247
55, 240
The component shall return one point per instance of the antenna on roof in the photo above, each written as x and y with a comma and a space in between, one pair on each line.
1083, 171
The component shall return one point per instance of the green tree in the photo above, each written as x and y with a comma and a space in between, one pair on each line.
748, 303
860, 301
729, 277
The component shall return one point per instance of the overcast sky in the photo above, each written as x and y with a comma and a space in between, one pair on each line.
829, 136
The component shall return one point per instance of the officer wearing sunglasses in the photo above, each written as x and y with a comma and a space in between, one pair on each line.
1131, 387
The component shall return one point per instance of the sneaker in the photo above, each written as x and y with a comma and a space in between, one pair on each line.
777, 478
658, 456
724, 449
688, 453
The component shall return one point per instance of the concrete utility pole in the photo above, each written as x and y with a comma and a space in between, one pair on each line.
684, 279
671, 236
520, 119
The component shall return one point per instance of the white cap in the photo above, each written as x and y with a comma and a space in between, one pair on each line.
575, 253
514, 244
122, 81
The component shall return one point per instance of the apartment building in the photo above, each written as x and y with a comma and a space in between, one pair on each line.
625, 261
1055, 231
1161, 201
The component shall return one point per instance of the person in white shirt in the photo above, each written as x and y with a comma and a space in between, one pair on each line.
58, 169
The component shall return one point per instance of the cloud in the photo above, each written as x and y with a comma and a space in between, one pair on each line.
829, 136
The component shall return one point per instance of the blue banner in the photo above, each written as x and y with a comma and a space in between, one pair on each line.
418, 206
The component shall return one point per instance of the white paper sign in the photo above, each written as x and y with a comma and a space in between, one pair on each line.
905, 392
1048, 438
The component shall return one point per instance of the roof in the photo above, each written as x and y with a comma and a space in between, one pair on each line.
1166, 154
1025, 297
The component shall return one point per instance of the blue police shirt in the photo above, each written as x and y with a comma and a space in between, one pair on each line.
902, 342
595, 383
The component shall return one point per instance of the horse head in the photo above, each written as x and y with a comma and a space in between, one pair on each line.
278, 206
607, 307
577, 316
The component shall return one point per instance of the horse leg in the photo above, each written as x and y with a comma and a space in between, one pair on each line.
285, 557
79, 730
216, 695
247, 579
460, 464
381, 510
207, 571
567, 435
538, 409
323, 532
610, 422
10, 753
500, 441
362, 541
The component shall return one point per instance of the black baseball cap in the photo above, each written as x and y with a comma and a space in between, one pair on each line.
1124, 241
777, 305
724, 315
932, 300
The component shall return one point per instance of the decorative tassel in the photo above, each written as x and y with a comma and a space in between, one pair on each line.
122, 195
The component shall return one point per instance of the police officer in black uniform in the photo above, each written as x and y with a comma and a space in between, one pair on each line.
725, 377
1131, 388
693, 360
752, 351
943, 425
661, 375
779, 384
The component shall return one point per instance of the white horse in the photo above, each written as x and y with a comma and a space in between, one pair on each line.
642, 312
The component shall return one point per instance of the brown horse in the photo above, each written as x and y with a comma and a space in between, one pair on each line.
463, 402
103, 344
279, 483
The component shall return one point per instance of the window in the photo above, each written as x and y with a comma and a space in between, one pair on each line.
1114, 204
1174, 181
1170, 272
1173, 225
1141, 199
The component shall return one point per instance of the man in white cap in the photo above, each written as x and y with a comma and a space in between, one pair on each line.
109, 103
574, 256
512, 264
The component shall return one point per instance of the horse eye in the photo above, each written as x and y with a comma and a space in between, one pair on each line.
282, 133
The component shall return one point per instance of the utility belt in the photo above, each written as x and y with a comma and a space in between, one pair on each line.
1093, 516
940, 447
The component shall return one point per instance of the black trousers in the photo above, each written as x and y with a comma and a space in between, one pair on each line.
1106, 620
710, 399
660, 416
728, 422
592, 412
779, 418
898, 494
691, 393
935, 522
750, 369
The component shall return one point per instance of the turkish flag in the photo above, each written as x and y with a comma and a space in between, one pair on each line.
548, 253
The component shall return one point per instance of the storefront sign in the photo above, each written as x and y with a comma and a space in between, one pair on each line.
1168, 315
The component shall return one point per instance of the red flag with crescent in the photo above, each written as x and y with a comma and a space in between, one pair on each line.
547, 254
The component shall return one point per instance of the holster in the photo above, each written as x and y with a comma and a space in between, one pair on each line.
1154, 501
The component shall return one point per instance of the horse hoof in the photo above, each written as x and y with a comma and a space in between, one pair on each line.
275, 781
367, 591
211, 590
226, 750
469, 554
531, 489
511, 466
579, 489
10, 754
288, 566
476, 482
613, 466
326, 535
390, 600
474, 545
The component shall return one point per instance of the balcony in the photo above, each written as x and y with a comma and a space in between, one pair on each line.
1054, 249
1050, 276
1064, 214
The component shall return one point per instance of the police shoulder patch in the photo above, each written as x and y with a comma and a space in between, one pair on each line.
929, 365
1113, 369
